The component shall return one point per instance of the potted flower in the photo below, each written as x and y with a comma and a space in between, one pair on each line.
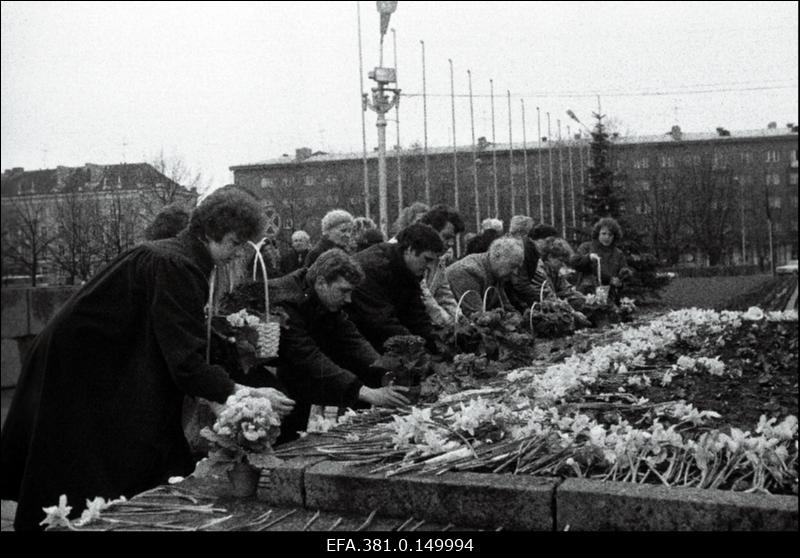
243, 435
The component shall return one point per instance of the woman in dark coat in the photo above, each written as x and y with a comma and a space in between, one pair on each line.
601, 251
97, 411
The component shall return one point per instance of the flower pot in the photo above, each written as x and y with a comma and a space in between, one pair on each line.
244, 479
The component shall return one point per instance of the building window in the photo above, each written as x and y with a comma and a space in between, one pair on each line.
794, 202
775, 202
643, 185
773, 156
309, 180
793, 158
719, 161
772, 179
267, 182
667, 161
746, 157
641, 163
793, 179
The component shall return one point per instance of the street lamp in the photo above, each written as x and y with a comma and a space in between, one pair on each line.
381, 103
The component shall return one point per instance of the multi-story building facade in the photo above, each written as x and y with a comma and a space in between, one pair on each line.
62, 223
703, 198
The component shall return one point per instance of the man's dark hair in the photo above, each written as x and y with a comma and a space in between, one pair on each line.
420, 238
335, 263
367, 238
439, 215
171, 220
542, 230
228, 210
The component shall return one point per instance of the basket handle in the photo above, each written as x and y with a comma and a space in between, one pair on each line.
486, 296
210, 311
259, 259
541, 290
599, 274
458, 311
530, 318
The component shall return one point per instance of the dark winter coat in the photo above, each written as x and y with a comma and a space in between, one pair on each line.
97, 410
519, 288
389, 300
473, 273
292, 261
612, 264
480, 243
323, 245
323, 359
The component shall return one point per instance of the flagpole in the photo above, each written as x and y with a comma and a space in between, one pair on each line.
525, 162
474, 158
363, 114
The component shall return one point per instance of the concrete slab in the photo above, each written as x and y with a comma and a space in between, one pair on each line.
15, 320
10, 363
285, 485
470, 499
590, 505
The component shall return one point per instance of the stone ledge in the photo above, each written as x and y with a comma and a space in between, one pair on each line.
469, 499
285, 485
591, 505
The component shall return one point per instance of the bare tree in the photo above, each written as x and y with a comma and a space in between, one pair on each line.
709, 208
75, 249
123, 225
25, 236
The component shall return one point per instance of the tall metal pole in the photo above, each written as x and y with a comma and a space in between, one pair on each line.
561, 183
455, 152
363, 113
550, 172
582, 180
571, 180
425, 128
741, 219
382, 108
397, 122
511, 160
494, 154
539, 164
474, 158
525, 162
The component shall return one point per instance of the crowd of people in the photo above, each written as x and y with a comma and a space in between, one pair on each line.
98, 407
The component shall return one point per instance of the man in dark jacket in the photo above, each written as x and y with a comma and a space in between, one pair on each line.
323, 359
389, 300
97, 410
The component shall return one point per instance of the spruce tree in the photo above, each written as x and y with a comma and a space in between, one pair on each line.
603, 199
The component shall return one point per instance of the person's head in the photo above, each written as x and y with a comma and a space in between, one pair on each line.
492, 223
520, 225
360, 226
337, 226
225, 221
607, 231
301, 241
409, 215
555, 251
367, 238
334, 275
421, 247
505, 256
171, 220
446, 222
540, 233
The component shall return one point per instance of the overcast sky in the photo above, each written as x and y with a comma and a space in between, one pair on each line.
230, 83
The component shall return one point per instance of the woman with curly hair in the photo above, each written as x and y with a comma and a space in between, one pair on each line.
602, 252
97, 410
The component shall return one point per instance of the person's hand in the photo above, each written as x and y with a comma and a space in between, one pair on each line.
387, 396
616, 282
280, 403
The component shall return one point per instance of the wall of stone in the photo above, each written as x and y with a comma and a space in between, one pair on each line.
25, 312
